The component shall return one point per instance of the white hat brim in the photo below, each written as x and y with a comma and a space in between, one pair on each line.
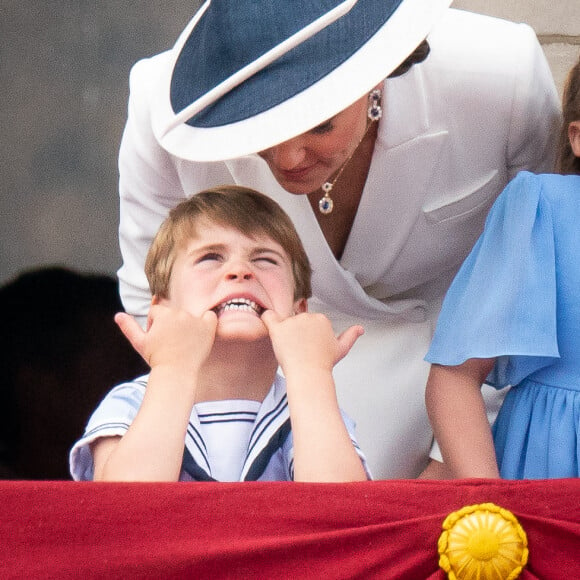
408, 26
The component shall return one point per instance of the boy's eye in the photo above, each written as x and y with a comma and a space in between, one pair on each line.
266, 259
325, 127
209, 256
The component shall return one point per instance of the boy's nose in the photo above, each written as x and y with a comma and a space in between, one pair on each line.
239, 276
239, 271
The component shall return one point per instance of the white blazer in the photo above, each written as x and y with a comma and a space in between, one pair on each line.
455, 130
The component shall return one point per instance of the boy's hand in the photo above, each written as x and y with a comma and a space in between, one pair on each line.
308, 340
307, 350
173, 337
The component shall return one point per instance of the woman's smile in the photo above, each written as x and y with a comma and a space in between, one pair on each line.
305, 175
302, 164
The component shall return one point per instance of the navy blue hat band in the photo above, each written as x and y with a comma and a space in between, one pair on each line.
246, 75
226, 39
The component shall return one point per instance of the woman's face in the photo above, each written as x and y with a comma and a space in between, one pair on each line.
302, 164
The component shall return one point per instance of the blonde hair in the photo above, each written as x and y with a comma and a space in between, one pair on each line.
567, 162
241, 208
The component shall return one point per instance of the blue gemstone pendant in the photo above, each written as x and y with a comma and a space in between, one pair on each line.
326, 205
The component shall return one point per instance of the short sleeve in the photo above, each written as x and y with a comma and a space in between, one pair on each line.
502, 303
351, 428
111, 418
288, 448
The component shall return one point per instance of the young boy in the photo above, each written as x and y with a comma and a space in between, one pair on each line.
230, 280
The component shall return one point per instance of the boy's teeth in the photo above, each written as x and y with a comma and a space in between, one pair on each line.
241, 304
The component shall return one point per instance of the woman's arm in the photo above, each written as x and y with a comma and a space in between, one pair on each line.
457, 413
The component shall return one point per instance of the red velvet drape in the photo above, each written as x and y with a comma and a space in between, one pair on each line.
383, 529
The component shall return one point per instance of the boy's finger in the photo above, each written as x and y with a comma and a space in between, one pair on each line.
211, 318
269, 317
131, 329
347, 339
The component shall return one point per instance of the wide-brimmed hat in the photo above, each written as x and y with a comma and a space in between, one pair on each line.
246, 75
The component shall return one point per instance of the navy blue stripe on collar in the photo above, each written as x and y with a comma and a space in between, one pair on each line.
197, 440
276, 441
193, 469
266, 421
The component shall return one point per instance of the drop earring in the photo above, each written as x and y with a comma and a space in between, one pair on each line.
375, 111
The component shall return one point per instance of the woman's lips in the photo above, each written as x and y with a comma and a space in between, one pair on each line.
296, 174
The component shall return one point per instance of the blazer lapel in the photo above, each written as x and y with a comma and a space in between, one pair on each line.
407, 155
402, 137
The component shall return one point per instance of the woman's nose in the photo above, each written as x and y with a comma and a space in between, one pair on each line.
287, 155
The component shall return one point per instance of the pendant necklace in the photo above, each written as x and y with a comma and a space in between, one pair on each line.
325, 203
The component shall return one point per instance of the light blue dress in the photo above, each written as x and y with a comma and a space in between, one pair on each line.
517, 297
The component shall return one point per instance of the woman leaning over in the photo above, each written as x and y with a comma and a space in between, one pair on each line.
384, 128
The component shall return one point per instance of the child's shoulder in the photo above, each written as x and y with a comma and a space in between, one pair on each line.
130, 392
548, 180
549, 186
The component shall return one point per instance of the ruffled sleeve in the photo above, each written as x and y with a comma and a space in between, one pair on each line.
502, 302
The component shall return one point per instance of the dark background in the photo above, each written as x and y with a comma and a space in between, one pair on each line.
64, 68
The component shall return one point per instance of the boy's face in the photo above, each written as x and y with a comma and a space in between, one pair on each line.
237, 277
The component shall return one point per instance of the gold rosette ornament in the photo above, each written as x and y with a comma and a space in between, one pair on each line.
482, 542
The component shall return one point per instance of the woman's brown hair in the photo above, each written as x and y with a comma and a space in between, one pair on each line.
567, 162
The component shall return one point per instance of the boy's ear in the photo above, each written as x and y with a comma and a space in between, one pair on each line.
300, 306
154, 301
574, 136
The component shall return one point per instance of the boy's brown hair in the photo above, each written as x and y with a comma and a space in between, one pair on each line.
241, 208
567, 162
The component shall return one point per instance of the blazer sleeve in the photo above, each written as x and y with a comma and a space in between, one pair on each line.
536, 111
151, 182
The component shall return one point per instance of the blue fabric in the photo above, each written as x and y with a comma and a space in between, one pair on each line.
517, 298
232, 34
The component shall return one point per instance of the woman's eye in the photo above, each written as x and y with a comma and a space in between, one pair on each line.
326, 127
